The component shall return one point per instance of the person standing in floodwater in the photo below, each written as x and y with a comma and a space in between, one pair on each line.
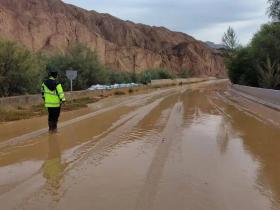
53, 96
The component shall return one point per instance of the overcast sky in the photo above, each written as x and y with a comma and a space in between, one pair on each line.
204, 19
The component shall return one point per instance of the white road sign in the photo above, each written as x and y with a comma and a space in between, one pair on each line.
71, 75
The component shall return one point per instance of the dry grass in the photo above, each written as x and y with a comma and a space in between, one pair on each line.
78, 103
119, 92
163, 85
12, 114
20, 113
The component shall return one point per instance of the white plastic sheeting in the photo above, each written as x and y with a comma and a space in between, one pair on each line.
115, 86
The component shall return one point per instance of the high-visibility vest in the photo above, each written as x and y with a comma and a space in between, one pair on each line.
53, 98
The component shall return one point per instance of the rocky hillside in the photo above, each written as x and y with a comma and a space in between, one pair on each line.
52, 25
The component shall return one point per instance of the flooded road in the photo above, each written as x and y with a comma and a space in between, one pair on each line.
180, 148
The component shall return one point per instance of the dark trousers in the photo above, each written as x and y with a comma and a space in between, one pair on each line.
54, 113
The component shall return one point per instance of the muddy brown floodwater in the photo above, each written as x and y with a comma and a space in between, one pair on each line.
182, 148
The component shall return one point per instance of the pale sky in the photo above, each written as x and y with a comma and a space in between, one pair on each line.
206, 20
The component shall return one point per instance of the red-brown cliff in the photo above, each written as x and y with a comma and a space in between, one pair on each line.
52, 25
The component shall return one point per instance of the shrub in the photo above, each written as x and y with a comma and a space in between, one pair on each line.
186, 73
120, 77
153, 74
19, 70
81, 58
269, 74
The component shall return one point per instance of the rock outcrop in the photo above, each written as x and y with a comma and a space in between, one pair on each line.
52, 25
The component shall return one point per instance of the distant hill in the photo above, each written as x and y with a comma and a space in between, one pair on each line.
215, 46
52, 25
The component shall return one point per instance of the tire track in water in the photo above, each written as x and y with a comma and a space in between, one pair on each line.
149, 190
97, 150
134, 101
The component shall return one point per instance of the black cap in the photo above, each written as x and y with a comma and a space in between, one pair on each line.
52, 71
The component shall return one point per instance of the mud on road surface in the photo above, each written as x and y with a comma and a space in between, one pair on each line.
188, 147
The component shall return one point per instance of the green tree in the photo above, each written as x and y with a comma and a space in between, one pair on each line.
230, 40
19, 70
250, 65
241, 68
266, 50
81, 58
274, 10
266, 43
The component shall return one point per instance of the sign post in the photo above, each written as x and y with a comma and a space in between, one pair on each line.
71, 75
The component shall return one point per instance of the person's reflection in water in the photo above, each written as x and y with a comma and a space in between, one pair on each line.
53, 167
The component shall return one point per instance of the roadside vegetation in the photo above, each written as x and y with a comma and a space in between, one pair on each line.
19, 69
22, 71
26, 112
13, 113
258, 63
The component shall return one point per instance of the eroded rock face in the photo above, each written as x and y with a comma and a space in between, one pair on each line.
52, 25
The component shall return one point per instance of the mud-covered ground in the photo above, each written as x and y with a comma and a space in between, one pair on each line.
181, 148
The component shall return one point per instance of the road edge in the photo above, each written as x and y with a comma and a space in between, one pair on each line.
253, 98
